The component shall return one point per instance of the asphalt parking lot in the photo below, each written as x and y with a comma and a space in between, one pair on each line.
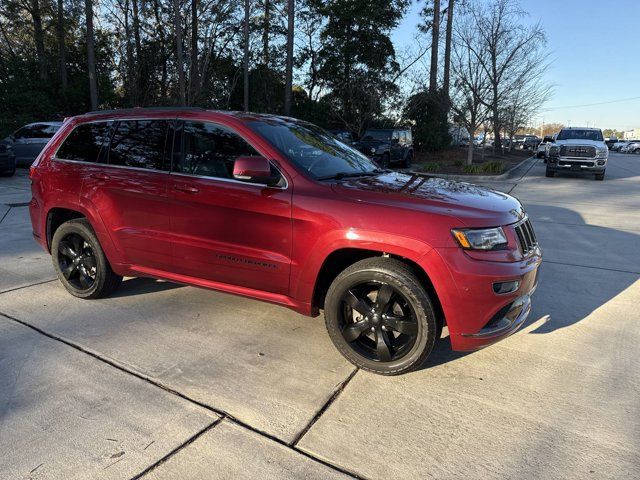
165, 381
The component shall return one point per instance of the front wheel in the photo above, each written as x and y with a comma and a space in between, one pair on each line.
79, 261
600, 176
379, 316
549, 172
408, 160
385, 160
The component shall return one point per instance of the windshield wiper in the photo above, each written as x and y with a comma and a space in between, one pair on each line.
341, 175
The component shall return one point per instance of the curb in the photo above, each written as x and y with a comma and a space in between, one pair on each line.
483, 178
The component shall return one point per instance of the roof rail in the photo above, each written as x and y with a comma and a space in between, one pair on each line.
137, 109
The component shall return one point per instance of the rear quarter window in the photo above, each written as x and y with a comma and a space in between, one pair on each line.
85, 143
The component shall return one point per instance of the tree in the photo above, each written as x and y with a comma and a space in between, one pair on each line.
447, 49
91, 56
177, 28
288, 84
62, 51
359, 79
511, 53
435, 39
472, 87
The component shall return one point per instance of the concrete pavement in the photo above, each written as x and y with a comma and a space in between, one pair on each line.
216, 386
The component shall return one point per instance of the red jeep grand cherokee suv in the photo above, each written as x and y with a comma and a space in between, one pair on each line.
277, 209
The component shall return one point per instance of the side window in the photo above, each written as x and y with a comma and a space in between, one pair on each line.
24, 132
85, 143
208, 149
140, 144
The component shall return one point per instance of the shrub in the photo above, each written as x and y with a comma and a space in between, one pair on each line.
495, 166
472, 169
458, 163
430, 167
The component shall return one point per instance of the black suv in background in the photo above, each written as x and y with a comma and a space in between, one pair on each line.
387, 146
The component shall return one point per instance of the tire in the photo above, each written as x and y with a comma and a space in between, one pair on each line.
408, 160
549, 173
9, 173
395, 336
385, 160
545, 160
600, 176
80, 262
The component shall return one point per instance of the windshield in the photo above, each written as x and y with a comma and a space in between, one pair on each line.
314, 150
377, 135
576, 134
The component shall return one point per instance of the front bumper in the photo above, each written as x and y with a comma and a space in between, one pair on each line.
591, 165
476, 316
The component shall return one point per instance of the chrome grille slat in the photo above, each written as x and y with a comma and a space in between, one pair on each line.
578, 151
526, 236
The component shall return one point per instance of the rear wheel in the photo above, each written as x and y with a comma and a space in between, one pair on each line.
379, 316
10, 172
80, 262
600, 176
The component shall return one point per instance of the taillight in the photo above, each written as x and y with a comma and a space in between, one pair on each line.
32, 172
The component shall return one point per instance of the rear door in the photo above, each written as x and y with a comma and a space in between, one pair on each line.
226, 230
128, 187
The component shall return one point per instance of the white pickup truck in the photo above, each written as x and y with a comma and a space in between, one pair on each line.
578, 150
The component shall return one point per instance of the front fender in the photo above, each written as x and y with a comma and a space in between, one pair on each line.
304, 276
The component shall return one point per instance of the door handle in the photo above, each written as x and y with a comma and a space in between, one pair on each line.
186, 188
100, 176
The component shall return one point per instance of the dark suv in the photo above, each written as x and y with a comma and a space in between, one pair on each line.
387, 146
278, 210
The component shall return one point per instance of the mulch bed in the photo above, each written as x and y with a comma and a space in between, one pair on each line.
452, 161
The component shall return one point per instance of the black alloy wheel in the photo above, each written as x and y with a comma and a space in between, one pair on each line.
377, 321
80, 262
380, 317
77, 261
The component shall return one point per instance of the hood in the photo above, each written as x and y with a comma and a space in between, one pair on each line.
371, 143
472, 205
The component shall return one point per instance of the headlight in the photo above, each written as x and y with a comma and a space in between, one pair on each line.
553, 151
602, 152
480, 239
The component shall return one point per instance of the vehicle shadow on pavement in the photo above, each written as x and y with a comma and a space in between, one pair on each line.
584, 267
140, 285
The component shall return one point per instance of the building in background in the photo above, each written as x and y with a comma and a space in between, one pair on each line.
632, 134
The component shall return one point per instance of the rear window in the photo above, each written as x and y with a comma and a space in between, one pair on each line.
139, 144
37, 131
85, 142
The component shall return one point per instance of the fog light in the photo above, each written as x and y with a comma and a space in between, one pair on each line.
502, 288
600, 162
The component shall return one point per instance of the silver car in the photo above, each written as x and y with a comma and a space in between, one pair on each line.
27, 142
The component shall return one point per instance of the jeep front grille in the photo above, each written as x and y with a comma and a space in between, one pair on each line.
526, 237
578, 151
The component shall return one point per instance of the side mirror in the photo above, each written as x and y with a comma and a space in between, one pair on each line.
254, 169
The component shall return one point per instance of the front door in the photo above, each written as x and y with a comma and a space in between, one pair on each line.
226, 230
